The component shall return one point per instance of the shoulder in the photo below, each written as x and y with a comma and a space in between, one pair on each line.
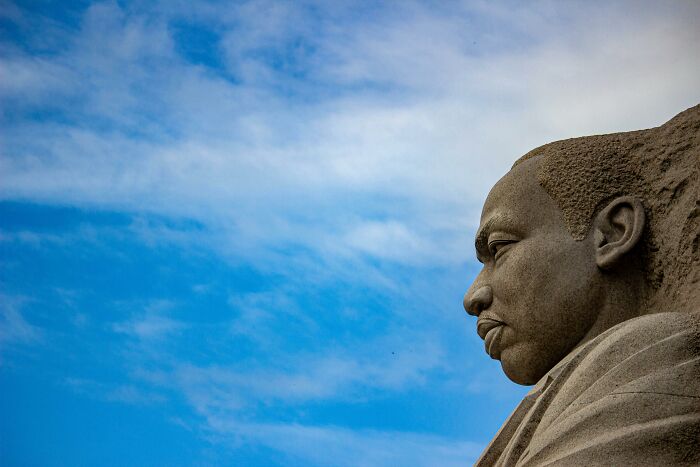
632, 391
630, 350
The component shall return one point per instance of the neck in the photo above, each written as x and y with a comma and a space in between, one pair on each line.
623, 297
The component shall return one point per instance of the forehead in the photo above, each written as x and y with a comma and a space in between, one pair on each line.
519, 198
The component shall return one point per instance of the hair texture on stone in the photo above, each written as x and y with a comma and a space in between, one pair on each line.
660, 166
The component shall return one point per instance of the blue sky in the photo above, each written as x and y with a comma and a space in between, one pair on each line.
239, 233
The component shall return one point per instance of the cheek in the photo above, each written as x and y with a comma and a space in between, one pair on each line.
521, 276
535, 286
543, 291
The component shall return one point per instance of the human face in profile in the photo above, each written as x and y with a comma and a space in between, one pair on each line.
536, 296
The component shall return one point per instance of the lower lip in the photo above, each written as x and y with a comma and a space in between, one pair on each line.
492, 342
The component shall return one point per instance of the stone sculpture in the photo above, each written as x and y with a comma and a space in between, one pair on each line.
590, 290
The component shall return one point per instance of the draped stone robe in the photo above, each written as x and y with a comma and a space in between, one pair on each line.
631, 396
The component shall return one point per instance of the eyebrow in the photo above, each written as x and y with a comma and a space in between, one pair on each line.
482, 235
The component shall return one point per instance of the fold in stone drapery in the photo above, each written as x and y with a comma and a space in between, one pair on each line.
631, 393
511, 441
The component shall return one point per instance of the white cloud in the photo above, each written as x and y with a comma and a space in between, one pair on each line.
225, 397
370, 139
151, 325
347, 374
388, 240
328, 445
30, 237
335, 136
121, 393
14, 328
424, 105
354, 372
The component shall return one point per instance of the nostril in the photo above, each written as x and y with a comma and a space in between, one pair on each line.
478, 301
473, 308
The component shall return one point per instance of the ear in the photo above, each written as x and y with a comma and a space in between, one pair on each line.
618, 229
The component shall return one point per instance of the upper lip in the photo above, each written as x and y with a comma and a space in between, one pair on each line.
484, 325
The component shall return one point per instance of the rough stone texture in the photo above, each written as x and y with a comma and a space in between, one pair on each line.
590, 290
660, 165
630, 397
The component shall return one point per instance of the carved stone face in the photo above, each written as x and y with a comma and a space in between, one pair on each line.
539, 291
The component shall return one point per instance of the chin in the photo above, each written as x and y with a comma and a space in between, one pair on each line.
522, 367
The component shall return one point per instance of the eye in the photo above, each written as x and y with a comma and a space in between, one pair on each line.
498, 247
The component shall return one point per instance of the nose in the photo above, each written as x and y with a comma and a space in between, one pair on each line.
477, 301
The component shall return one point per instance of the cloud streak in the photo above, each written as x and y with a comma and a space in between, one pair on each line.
324, 445
296, 187
412, 120
14, 328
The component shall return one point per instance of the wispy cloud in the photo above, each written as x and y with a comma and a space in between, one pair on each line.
338, 155
328, 445
306, 378
14, 328
425, 123
148, 327
151, 324
120, 393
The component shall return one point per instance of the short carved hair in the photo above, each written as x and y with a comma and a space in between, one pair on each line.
660, 167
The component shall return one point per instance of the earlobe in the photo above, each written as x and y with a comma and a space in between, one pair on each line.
618, 229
